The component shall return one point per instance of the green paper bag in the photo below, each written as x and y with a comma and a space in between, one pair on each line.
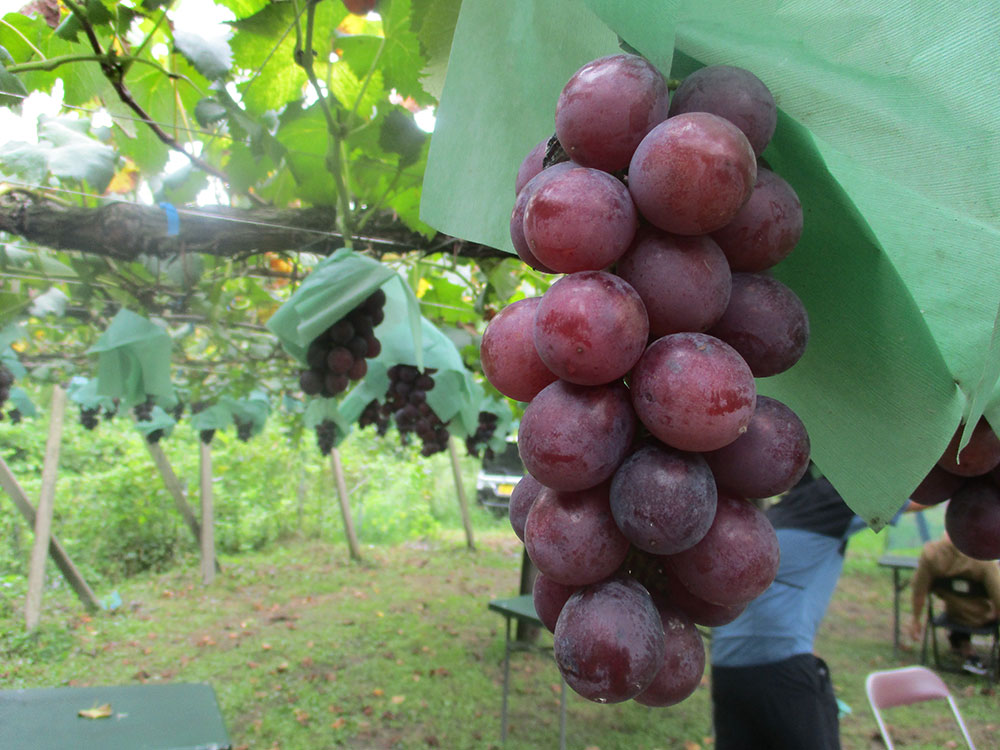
20, 400
332, 289
8, 357
896, 265
253, 410
83, 392
159, 420
133, 360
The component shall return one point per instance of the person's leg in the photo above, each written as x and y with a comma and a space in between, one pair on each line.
801, 709
735, 692
961, 643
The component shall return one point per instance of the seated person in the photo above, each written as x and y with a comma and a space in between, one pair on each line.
941, 559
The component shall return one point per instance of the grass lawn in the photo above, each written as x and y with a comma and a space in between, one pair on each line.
307, 650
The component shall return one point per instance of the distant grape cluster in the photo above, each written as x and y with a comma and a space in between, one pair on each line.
6, 383
480, 439
205, 436
143, 412
406, 401
372, 414
90, 417
244, 428
644, 438
339, 355
326, 436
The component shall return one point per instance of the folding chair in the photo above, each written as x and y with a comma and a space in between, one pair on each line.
964, 588
903, 687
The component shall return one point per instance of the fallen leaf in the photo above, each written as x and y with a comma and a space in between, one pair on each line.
378, 692
339, 723
397, 699
690, 745
97, 712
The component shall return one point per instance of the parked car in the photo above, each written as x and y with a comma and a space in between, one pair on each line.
498, 476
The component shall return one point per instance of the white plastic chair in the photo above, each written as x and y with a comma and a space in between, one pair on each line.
903, 687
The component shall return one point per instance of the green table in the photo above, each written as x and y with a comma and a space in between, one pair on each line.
522, 609
179, 716
898, 563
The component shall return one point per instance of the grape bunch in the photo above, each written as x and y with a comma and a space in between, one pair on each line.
15, 416
326, 436
644, 438
205, 436
338, 355
372, 415
406, 401
143, 412
89, 418
6, 383
970, 481
244, 428
481, 437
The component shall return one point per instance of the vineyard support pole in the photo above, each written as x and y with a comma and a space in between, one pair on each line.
463, 503
43, 516
345, 507
62, 560
208, 561
176, 491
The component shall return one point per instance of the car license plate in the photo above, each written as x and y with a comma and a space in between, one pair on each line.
505, 490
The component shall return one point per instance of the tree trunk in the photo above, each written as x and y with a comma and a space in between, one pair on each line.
46, 505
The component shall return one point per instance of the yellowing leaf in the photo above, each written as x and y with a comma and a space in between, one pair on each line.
125, 180
97, 712
422, 286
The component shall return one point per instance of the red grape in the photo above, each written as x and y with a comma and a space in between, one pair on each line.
692, 173
766, 460
590, 327
573, 436
517, 215
733, 93
521, 499
684, 282
663, 500
571, 536
765, 322
766, 229
507, 352
609, 641
936, 487
579, 220
683, 660
549, 598
530, 165
693, 391
607, 107
972, 519
980, 455
736, 560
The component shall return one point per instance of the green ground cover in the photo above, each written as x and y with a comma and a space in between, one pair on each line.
307, 650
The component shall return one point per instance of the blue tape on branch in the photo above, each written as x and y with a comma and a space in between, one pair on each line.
173, 219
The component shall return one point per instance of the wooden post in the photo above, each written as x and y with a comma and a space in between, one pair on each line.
56, 550
176, 491
43, 516
460, 487
345, 506
207, 516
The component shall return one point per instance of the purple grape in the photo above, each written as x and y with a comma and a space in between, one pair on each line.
579, 220
571, 536
549, 598
521, 500
733, 93
573, 437
937, 486
684, 282
507, 352
766, 460
980, 456
693, 391
972, 519
609, 641
590, 327
692, 173
663, 500
683, 660
607, 107
765, 322
736, 560
766, 229
517, 214
530, 165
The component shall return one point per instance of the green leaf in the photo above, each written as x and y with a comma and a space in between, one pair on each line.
209, 111
11, 88
211, 57
436, 31
306, 140
95, 12
263, 45
76, 156
243, 8
52, 302
402, 61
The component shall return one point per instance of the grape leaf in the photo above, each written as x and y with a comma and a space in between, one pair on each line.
211, 56
436, 30
11, 88
400, 135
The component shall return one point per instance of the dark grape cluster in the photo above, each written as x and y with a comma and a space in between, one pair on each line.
406, 401
481, 437
6, 383
15, 416
372, 415
338, 355
110, 412
178, 411
326, 436
206, 436
90, 418
244, 428
644, 437
144, 412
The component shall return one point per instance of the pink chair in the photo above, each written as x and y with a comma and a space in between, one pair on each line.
904, 686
